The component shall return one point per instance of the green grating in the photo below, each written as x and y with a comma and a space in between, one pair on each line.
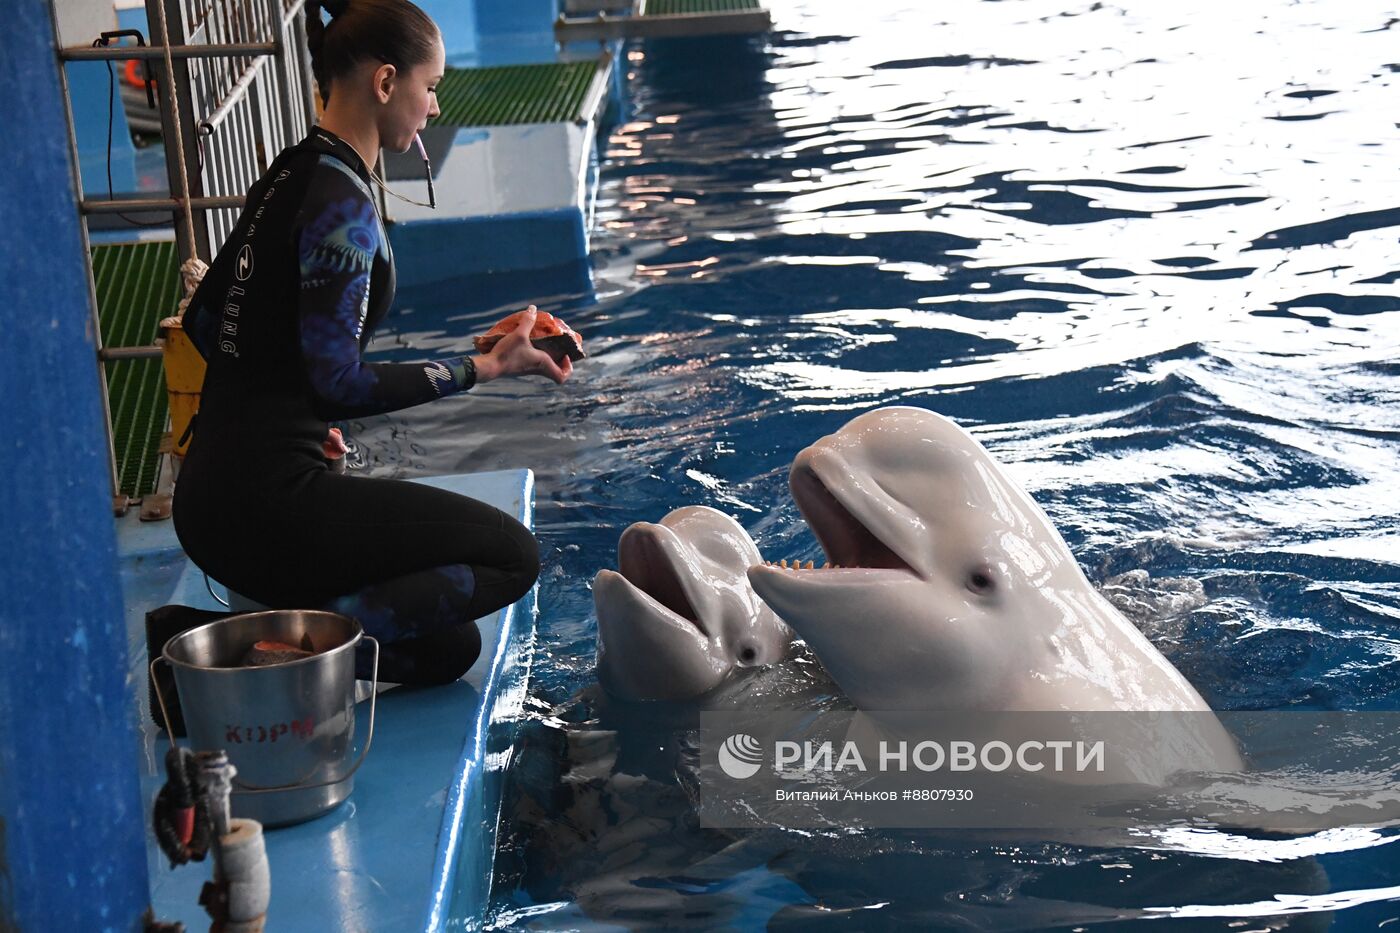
687, 7
137, 285
550, 93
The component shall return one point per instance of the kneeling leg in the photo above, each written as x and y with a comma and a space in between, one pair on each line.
424, 621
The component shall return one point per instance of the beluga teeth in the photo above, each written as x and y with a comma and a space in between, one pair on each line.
679, 616
944, 612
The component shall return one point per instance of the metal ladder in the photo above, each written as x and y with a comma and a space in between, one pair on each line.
235, 87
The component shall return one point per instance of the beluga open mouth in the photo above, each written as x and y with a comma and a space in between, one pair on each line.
647, 559
847, 542
678, 617
956, 591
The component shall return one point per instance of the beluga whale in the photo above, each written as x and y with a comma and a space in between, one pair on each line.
679, 617
949, 589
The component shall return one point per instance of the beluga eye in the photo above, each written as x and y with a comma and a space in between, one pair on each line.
981, 581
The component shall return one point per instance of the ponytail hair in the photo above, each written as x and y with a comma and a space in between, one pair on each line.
392, 31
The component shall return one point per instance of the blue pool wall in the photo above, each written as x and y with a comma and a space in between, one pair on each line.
464, 869
489, 244
507, 256
72, 855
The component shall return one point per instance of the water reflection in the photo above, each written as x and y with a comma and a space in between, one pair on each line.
1146, 252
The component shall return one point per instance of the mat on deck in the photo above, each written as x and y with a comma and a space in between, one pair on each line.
513, 94
691, 7
137, 284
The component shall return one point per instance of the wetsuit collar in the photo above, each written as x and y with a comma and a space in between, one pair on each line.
323, 140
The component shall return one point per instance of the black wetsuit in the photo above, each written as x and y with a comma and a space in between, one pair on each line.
282, 318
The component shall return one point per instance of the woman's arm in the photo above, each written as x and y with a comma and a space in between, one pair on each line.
336, 240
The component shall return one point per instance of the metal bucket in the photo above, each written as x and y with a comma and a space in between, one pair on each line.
288, 728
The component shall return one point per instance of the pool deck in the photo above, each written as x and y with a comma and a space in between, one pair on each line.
413, 847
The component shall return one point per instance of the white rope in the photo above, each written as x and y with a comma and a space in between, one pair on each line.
191, 273
169, 82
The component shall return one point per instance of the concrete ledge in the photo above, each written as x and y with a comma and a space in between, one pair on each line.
509, 198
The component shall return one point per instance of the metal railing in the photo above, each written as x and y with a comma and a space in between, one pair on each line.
235, 88
247, 107
242, 91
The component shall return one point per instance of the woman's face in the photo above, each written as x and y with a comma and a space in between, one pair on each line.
413, 101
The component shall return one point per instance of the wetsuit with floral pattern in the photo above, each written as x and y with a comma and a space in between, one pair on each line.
282, 319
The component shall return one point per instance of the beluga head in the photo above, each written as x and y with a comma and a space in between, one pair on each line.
679, 616
949, 587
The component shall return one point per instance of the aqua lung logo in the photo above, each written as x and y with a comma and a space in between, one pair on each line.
740, 756
244, 269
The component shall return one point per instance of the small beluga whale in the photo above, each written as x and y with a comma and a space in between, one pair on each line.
679, 617
949, 590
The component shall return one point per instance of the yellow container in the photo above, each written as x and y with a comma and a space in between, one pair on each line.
184, 377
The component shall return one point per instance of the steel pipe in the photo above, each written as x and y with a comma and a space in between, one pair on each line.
81, 53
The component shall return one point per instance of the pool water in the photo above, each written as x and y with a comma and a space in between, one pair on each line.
1146, 253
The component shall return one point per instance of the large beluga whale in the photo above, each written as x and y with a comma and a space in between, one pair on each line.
950, 590
679, 616
949, 587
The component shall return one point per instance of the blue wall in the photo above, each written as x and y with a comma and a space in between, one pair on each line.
90, 90
495, 32
516, 32
72, 853
457, 21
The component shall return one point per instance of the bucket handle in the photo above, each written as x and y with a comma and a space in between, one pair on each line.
239, 786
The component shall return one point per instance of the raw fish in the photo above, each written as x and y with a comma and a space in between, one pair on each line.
549, 334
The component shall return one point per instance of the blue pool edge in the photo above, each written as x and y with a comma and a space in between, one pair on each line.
503, 680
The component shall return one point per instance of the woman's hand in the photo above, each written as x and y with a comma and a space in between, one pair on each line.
514, 355
334, 446
334, 449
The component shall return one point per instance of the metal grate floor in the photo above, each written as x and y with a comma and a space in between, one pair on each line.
137, 285
688, 7
512, 94
669, 19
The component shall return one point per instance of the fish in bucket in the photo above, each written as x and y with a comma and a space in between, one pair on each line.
276, 691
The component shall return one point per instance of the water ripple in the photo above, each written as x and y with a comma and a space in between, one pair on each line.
1146, 252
